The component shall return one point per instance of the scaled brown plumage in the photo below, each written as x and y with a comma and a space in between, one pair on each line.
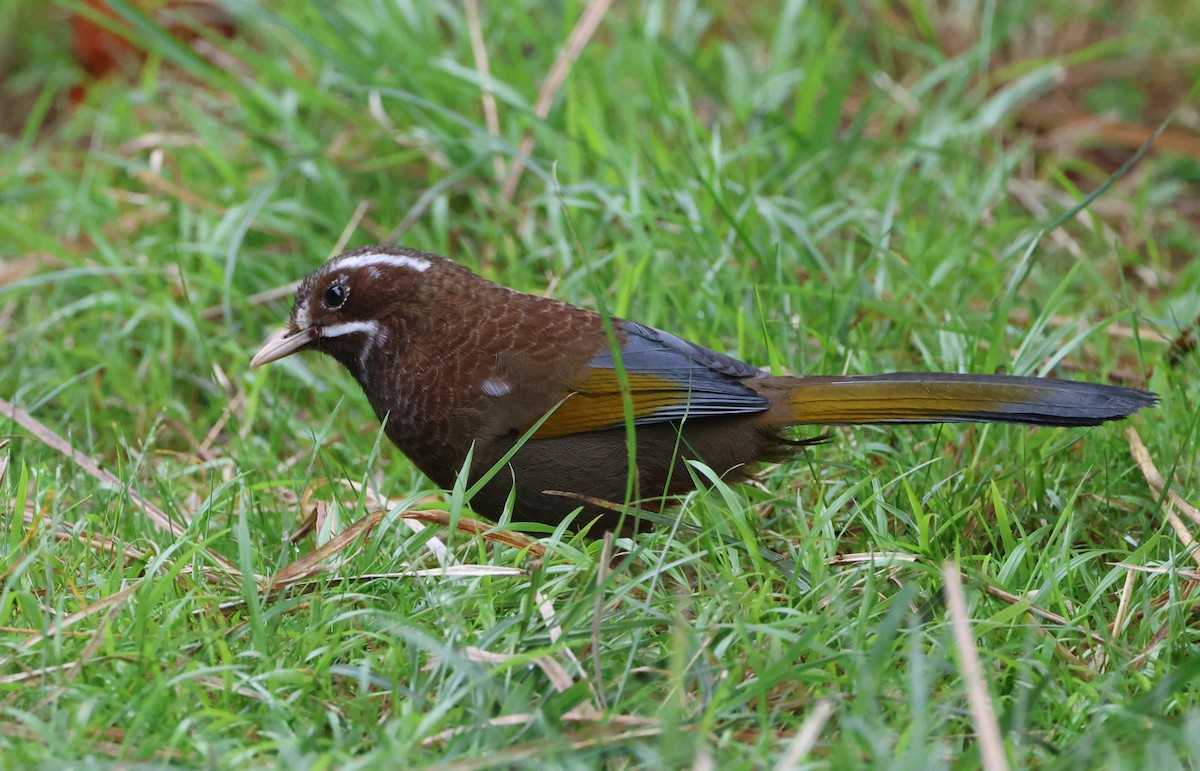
452, 361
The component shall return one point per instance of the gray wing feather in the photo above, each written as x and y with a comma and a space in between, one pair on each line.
709, 380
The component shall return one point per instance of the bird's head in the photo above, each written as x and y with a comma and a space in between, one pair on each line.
357, 303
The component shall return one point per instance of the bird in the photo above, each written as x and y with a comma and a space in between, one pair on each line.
456, 366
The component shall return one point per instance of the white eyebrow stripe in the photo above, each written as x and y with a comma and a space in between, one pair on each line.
351, 327
377, 259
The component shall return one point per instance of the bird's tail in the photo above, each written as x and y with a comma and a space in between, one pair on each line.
916, 397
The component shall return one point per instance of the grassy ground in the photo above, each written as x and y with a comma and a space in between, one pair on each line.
816, 186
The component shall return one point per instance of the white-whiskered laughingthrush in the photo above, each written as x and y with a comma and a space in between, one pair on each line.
449, 360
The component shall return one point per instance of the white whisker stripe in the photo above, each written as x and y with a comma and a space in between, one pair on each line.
351, 327
377, 259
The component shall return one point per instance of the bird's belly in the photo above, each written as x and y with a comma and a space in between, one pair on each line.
595, 465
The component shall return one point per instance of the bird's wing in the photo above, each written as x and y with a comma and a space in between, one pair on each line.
669, 379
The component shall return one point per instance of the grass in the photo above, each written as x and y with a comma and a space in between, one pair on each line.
811, 186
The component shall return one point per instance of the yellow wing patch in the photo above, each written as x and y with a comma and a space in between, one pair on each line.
597, 402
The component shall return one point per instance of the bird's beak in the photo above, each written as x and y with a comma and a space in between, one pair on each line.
283, 344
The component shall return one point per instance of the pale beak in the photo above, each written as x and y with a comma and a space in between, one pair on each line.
283, 344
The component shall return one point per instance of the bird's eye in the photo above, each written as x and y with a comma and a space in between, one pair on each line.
335, 295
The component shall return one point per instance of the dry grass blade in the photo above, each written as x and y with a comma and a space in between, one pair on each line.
515, 719
112, 749
316, 561
436, 545
589, 20
24, 732
308, 525
233, 407
987, 728
478, 527
40, 672
287, 290
1183, 598
878, 558
91, 610
602, 571
1131, 136
12, 271
1191, 575
806, 737
175, 191
23, 630
555, 672
598, 737
416, 519
491, 116
1118, 623
525, 718
98, 543
1183, 344
55, 442
261, 298
156, 140
1022, 317
1037, 612
99, 636
448, 571
103, 543
1141, 456
546, 611
360, 211
1119, 620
